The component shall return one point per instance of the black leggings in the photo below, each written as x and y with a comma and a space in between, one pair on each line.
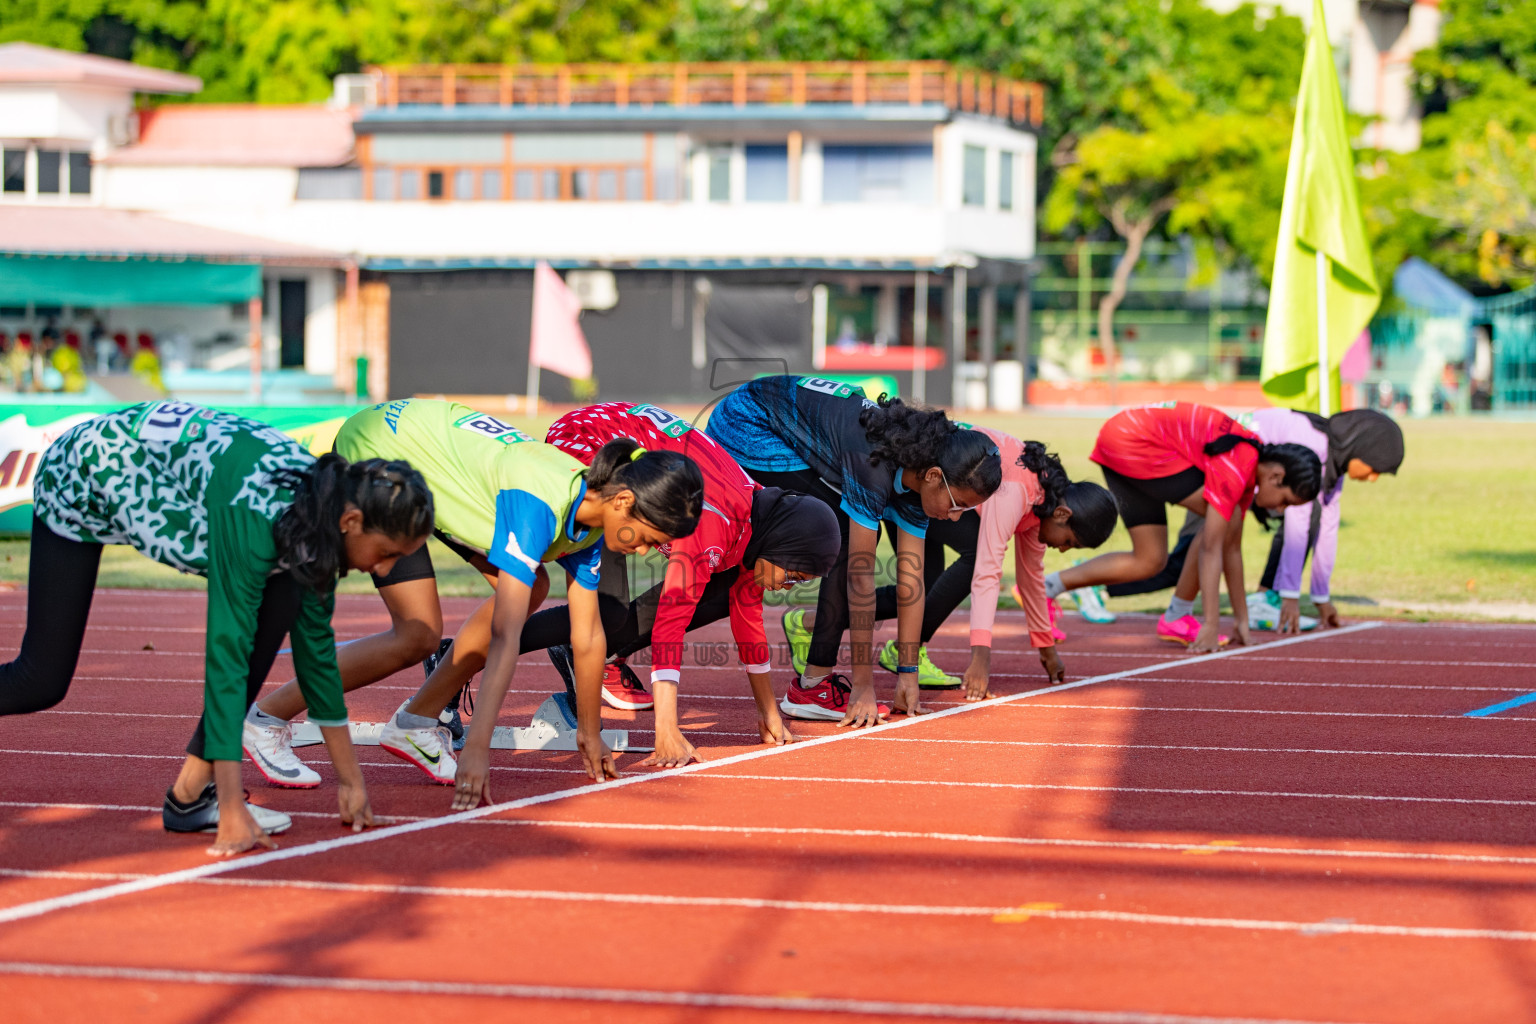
551, 627
945, 587
61, 581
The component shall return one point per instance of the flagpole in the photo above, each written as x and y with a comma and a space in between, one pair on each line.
1324, 371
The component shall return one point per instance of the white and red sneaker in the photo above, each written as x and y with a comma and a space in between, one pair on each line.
1183, 631
826, 701
622, 689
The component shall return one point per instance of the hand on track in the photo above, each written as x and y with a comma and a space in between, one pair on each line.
472, 782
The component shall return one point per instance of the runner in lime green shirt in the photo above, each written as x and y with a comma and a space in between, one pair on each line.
507, 504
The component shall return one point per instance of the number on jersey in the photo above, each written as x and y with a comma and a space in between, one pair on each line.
668, 423
490, 426
169, 422
835, 388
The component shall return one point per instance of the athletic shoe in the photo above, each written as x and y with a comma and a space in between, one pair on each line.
1055, 612
202, 814
450, 716
1184, 631
1051, 607
1091, 602
270, 748
564, 660
429, 749
1264, 612
622, 689
826, 701
798, 638
929, 675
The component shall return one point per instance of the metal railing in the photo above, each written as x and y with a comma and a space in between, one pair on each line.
900, 83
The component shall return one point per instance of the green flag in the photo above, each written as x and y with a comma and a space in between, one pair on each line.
1321, 212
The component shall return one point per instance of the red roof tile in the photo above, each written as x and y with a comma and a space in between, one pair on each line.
241, 135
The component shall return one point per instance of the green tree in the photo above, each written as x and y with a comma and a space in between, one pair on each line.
1463, 200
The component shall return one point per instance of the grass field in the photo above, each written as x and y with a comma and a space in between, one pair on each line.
1440, 540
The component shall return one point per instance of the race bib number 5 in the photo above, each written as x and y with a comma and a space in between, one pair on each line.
490, 426
169, 422
668, 423
835, 388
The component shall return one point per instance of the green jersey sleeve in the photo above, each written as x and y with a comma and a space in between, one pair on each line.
314, 659
241, 555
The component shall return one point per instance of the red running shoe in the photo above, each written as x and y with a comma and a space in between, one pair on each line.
622, 689
826, 701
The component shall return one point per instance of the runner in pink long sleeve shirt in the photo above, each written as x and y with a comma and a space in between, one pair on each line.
1037, 507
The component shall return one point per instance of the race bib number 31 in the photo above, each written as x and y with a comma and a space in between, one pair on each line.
668, 423
490, 426
835, 388
169, 422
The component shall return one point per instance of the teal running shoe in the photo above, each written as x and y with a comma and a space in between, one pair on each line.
1091, 602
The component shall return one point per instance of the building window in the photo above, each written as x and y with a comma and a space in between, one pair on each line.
634, 183
1005, 180
974, 177
877, 174
490, 184
463, 184
383, 183
49, 172
79, 174
549, 187
13, 166
435, 185
410, 184
767, 174
719, 174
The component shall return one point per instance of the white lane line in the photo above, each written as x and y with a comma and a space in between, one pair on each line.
1453, 716
1330, 927
1181, 746
1341, 686
1163, 790
620, 996
855, 833
155, 809
47, 906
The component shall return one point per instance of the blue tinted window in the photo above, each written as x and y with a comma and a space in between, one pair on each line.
767, 174
877, 174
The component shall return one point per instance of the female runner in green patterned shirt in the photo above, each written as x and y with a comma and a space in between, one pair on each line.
271, 528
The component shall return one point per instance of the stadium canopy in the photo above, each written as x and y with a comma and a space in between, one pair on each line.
113, 258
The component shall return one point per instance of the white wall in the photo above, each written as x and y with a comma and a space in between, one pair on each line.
322, 323
148, 187
78, 114
634, 231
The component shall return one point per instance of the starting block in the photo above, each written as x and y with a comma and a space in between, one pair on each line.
553, 728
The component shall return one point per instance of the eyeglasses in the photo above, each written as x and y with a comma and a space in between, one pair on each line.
953, 505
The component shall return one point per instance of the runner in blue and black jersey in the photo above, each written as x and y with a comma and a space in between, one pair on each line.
874, 462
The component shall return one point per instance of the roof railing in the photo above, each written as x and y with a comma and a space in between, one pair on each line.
898, 83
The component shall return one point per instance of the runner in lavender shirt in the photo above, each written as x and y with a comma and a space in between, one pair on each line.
1358, 445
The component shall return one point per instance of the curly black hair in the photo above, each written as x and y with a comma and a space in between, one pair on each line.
917, 438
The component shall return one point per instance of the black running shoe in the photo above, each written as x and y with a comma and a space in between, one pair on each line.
450, 716
202, 814
565, 663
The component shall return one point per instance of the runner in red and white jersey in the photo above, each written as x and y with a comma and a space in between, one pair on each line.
749, 539
1179, 453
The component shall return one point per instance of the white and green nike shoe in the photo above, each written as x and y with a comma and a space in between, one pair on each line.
1264, 612
799, 639
430, 749
929, 675
1091, 602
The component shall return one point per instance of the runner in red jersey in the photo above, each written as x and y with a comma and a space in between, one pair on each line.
749, 539
1179, 453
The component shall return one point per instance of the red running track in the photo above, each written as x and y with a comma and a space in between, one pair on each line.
1312, 831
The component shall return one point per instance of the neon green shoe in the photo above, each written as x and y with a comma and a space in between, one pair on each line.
798, 638
929, 675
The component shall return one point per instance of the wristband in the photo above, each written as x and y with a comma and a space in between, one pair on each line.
904, 669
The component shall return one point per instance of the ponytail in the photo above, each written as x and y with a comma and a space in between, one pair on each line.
917, 438
668, 486
1093, 508
1303, 469
393, 498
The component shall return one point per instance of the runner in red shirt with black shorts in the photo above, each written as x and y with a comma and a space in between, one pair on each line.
1179, 453
750, 539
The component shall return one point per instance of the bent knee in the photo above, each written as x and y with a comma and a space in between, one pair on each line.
416, 640
27, 700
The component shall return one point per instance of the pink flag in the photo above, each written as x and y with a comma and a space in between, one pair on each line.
558, 343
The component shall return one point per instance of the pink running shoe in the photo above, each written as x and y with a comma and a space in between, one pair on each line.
827, 701
1184, 631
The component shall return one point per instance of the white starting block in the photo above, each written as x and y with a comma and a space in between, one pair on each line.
552, 728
